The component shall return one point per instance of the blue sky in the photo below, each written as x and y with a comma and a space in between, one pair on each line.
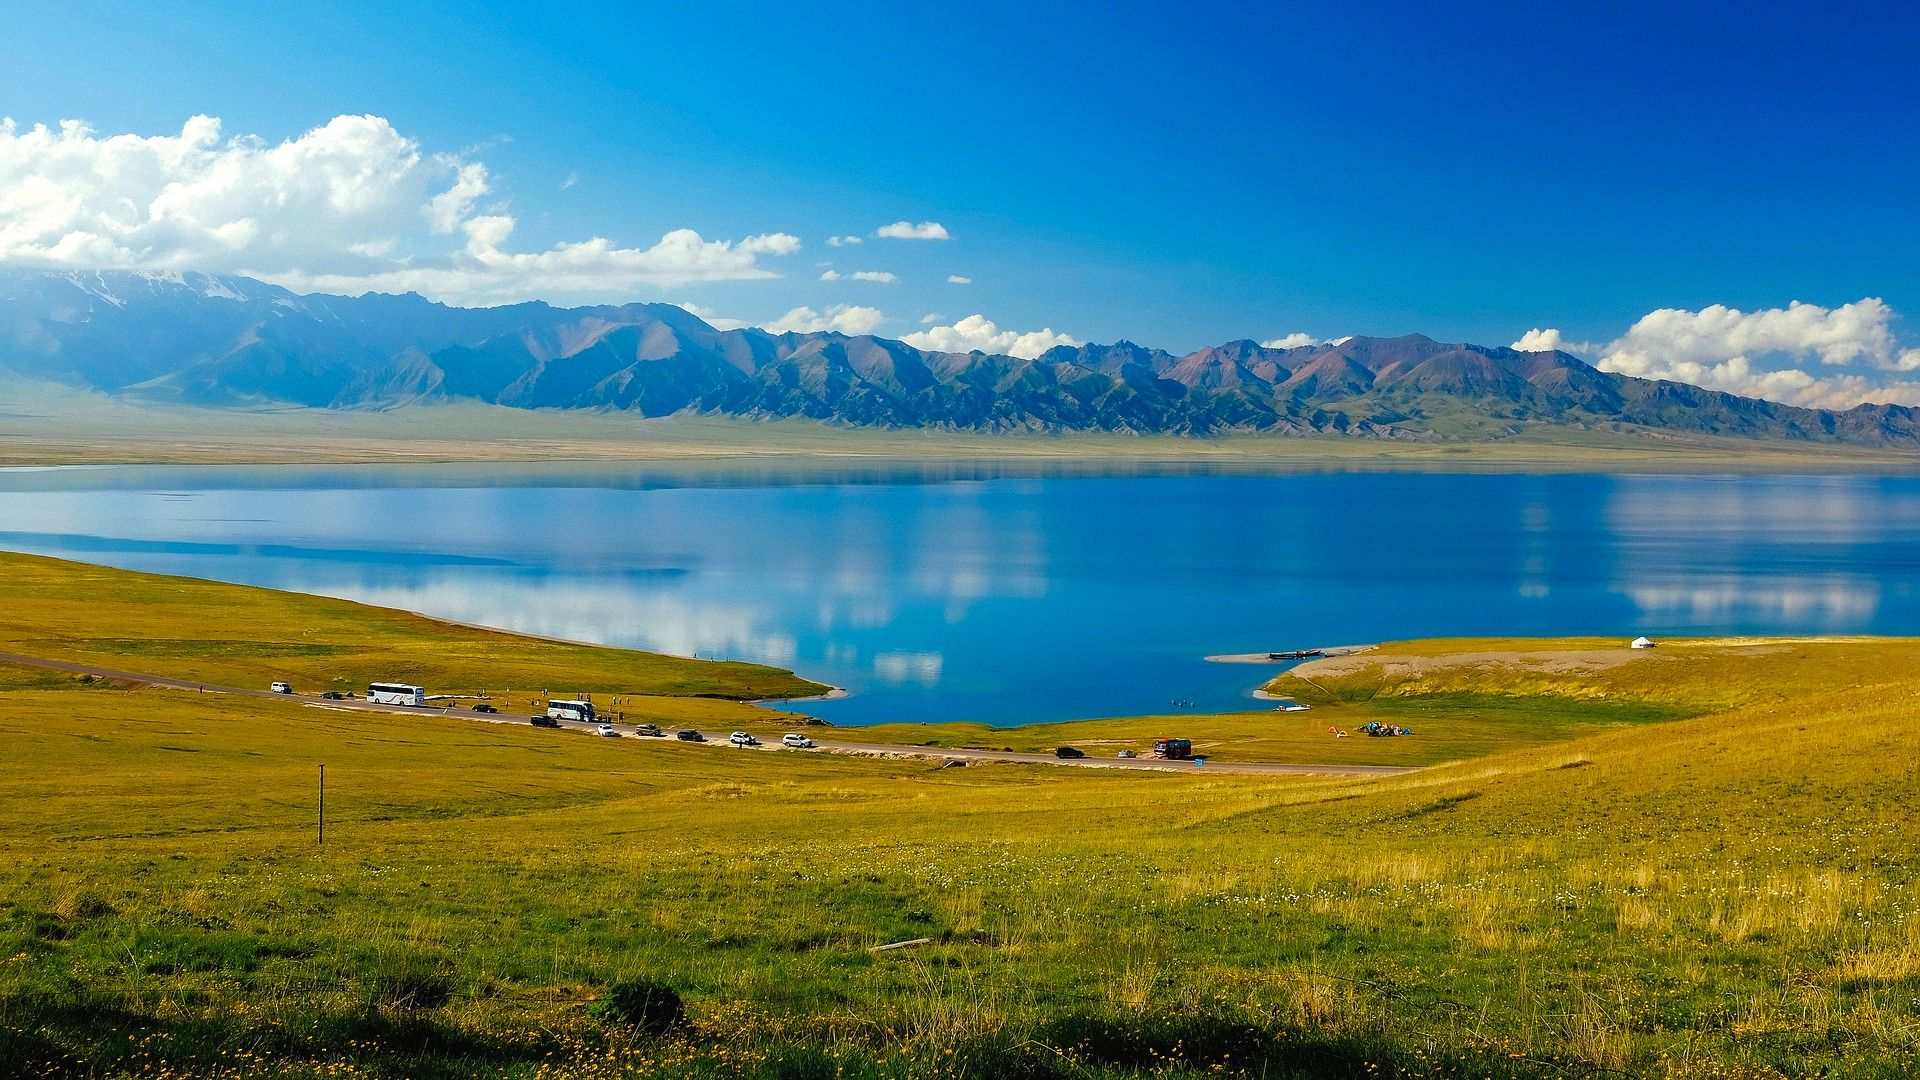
1172, 176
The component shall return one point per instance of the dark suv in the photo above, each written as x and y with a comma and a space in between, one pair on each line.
689, 735
544, 721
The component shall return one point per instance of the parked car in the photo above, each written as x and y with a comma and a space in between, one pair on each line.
543, 720
484, 707
741, 738
605, 731
1068, 752
650, 730
334, 695
797, 741
282, 688
1126, 754
689, 735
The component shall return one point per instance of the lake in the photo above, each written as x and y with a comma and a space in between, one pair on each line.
1011, 595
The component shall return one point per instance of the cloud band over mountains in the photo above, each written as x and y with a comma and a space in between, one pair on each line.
354, 206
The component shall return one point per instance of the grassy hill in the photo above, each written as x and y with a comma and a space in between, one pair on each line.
242, 636
1732, 894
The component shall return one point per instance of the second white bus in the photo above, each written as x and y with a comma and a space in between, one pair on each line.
581, 711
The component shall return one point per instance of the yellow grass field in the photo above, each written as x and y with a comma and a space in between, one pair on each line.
1733, 893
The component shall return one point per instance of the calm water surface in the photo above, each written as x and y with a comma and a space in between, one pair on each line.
972, 593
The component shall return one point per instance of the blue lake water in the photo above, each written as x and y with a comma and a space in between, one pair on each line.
981, 593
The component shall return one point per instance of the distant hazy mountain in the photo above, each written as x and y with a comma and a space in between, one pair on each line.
226, 341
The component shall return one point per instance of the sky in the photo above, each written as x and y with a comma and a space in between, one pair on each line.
1724, 194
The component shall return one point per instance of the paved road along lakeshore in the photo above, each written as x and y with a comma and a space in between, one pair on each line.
719, 739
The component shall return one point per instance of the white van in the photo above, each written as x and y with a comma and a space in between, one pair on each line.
282, 688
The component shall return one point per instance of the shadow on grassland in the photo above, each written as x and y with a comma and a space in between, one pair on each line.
40, 1037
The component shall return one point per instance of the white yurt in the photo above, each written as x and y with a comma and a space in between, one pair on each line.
1643, 643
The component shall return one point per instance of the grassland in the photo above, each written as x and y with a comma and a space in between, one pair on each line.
240, 636
1728, 894
1450, 727
72, 428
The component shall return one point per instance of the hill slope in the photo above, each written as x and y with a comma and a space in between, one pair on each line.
231, 341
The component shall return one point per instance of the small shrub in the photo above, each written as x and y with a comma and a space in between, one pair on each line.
647, 1007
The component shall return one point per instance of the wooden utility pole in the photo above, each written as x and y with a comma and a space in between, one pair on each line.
323, 806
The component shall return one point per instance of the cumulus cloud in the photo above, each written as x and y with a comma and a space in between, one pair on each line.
907, 230
882, 277
1291, 341
843, 241
930, 318
829, 275
713, 318
959, 279
842, 318
1538, 340
1549, 339
778, 243
1764, 353
981, 334
1858, 331
350, 206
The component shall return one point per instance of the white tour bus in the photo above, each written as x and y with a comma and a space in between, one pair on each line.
571, 710
389, 693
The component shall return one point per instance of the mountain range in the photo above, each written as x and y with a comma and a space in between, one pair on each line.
228, 341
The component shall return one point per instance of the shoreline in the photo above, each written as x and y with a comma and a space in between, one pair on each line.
1268, 657
67, 431
834, 693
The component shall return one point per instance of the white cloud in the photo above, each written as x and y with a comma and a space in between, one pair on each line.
778, 243
446, 210
907, 230
351, 206
572, 179
829, 275
1537, 340
1291, 341
842, 318
1838, 336
842, 241
713, 318
977, 332
883, 277
959, 279
930, 318
1763, 353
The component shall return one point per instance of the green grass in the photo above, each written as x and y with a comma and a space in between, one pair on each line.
241, 636
1447, 727
1732, 894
